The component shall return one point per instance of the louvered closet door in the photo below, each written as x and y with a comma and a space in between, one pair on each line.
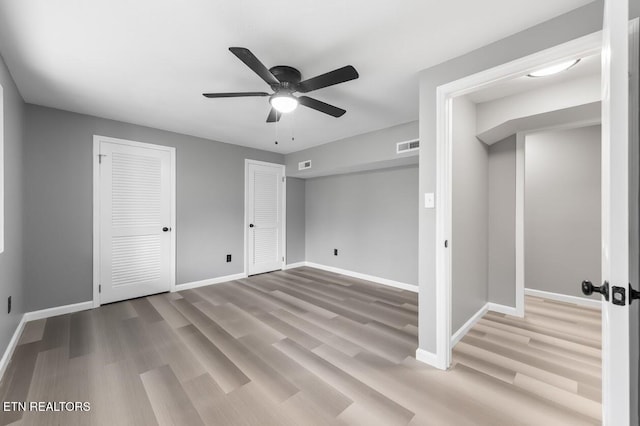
135, 206
265, 218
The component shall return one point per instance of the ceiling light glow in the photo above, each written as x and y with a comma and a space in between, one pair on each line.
283, 103
554, 69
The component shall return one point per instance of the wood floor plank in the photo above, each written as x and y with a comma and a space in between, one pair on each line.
225, 373
33, 331
171, 405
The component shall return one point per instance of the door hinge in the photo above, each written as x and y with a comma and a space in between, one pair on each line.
283, 258
99, 288
283, 179
100, 158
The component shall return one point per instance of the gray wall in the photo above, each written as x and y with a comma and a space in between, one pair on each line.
295, 220
11, 260
562, 210
470, 208
58, 203
502, 222
370, 217
582, 21
368, 151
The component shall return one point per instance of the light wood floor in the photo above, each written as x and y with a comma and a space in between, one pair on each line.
303, 347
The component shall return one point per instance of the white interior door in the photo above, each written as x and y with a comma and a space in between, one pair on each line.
615, 213
135, 198
264, 215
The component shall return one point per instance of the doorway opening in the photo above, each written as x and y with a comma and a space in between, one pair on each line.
614, 209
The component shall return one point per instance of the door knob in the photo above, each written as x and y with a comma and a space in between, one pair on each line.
251, 225
165, 229
588, 289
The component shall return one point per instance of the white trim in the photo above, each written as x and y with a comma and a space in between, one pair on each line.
96, 207
377, 280
283, 225
2, 170
36, 315
519, 246
582, 301
210, 281
489, 306
504, 309
583, 46
427, 357
58, 310
96, 221
462, 331
11, 347
294, 265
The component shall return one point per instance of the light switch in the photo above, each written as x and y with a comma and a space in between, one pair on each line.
429, 200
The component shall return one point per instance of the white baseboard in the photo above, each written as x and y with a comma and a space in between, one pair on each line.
582, 301
427, 357
210, 281
468, 325
58, 310
36, 315
489, 306
4, 362
294, 265
504, 309
377, 280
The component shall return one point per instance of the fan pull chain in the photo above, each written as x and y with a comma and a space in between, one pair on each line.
277, 127
293, 127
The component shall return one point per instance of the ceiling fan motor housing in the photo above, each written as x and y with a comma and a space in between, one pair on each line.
289, 77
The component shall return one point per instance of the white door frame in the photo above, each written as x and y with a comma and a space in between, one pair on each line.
583, 46
283, 224
96, 207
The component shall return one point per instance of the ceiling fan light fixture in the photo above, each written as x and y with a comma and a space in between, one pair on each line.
283, 103
554, 69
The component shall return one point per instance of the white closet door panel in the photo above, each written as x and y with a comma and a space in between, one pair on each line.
265, 218
135, 206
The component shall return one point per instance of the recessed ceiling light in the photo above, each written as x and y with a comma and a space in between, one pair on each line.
554, 69
283, 103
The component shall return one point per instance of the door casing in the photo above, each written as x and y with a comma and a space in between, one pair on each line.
283, 207
97, 139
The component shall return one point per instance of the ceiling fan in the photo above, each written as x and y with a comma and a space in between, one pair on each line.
285, 81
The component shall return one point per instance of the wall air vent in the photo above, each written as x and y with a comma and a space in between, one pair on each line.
407, 146
304, 165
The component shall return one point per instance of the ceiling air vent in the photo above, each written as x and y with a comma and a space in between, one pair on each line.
407, 146
304, 165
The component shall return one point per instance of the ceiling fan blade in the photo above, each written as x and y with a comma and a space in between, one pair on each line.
254, 63
328, 79
321, 106
234, 94
274, 116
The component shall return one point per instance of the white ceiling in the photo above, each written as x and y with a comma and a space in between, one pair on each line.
148, 61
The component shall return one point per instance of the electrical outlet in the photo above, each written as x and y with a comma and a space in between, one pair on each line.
335, 252
228, 258
9, 304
